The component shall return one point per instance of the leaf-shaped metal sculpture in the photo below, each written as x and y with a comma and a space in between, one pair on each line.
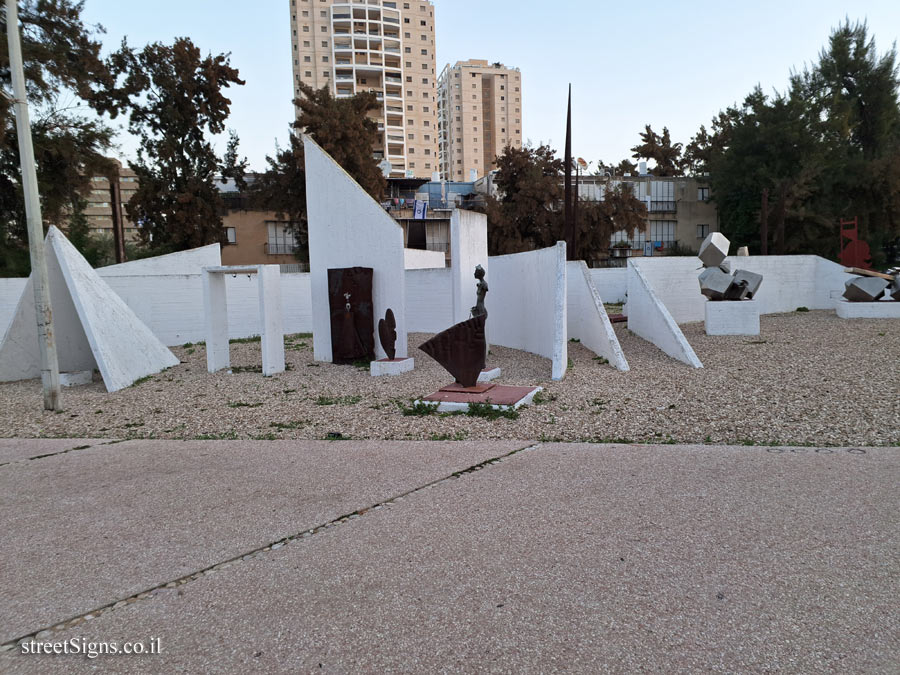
387, 333
460, 349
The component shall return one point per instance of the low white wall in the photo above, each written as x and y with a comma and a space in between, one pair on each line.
789, 282
10, 292
587, 320
468, 248
610, 283
648, 318
182, 262
420, 259
428, 300
526, 304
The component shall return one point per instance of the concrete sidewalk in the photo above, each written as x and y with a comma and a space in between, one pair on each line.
557, 557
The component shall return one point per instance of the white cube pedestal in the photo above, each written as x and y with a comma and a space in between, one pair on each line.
732, 317
391, 366
883, 309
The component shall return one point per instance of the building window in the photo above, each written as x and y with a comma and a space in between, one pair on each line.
662, 232
702, 231
702, 194
281, 238
230, 235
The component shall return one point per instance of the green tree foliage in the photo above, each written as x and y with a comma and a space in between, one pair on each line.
826, 149
63, 73
661, 150
282, 188
529, 215
175, 101
343, 128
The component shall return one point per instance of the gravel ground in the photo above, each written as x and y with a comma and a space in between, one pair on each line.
808, 378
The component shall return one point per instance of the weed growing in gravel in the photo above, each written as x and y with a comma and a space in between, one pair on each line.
487, 411
571, 363
289, 425
338, 400
458, 436
361, 364
540, 398
417, 409
265, 437
601, 360
141, 380
246, 369
223, 436
574, 340
241, 404
244, 341
802, 309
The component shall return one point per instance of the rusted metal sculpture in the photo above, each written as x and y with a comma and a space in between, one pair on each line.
460, 349
387, 334
350, 300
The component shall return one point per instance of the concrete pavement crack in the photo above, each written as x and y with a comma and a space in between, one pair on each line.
46, 632
60, 452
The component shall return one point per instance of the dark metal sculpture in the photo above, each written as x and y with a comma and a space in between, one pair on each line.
481, 290
387, 333
569, 203
460, 349
352, 320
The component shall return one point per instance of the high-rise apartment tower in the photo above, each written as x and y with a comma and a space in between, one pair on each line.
383, 46
479, 114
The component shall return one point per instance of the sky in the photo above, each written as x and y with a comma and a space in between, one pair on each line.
673, 64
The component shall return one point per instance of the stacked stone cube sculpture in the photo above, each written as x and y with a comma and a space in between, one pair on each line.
865, 289
717, 281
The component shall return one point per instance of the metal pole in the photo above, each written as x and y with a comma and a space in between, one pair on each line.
49, 362
567, 186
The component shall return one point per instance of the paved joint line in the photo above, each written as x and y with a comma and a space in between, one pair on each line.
60, 452
149, 593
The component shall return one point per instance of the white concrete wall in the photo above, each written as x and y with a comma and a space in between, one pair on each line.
526, 304
468, 248
649, 318
610, 283
10, 292
347, 228
789, 282
587, 320
183, 262
419, 259
429, 302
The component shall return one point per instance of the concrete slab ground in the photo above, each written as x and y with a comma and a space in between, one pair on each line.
14, 449
86, 528
586, 558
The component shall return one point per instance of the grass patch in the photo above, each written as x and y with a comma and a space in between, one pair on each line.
489, 412
418, 409
246, 369
574, 340
361, 364
802, 309
266, 437
241, 404
289, 425
540, 398
222, 436
244, 341
458, 436
132, 425
601, 360
571, 364
338, 400
141, 380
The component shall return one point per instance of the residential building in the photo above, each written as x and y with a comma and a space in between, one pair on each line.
479, 114
384, 46
106, 198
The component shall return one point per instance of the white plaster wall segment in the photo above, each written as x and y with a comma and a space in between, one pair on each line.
648, 318
588, 321
468, 249
10, 292
347, 228
611, 283
732, 317
417, 259
429, 301
270, 328
526, 304
882, 309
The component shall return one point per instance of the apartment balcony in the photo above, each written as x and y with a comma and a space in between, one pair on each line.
280, 248
394, 79
663, 207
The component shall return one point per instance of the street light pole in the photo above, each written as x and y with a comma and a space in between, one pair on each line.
39, 277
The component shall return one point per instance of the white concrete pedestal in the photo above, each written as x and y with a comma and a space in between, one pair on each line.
391, 366
732, 317
883, 309
489, 374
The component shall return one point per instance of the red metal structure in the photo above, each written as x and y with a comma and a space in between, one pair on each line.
854, 252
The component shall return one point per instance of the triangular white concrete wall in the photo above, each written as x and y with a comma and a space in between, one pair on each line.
93, 326
347, 228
